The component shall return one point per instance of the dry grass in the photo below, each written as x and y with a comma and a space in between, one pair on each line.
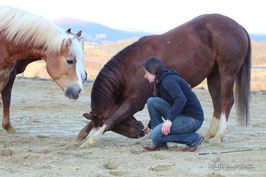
96, 55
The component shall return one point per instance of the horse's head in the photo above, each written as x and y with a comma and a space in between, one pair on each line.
95, 117
130, 127
66, 66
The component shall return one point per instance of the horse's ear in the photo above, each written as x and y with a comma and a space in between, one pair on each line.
88, 116
96, 114
69, 30
79, 33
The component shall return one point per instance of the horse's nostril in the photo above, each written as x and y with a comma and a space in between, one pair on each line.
73, 92
141, 134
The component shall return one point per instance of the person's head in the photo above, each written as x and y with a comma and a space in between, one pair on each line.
152, 67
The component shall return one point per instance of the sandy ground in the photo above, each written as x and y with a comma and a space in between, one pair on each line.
47, 122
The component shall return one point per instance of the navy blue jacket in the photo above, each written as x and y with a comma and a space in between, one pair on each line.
176, 91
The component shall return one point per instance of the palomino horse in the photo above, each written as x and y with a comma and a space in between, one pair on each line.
19, 67
210, 46
29, 37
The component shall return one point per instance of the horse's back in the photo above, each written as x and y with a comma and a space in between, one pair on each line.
198, 45
213, 27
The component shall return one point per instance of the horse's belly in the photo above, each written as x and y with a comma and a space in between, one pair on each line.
193, 68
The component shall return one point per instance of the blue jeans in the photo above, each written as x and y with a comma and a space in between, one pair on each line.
183, 127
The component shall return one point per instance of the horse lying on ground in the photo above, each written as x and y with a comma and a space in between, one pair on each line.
210, 46
29, 37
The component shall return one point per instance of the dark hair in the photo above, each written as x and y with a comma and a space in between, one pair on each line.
153, 65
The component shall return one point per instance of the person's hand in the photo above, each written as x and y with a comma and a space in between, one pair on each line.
147, 130
166, 127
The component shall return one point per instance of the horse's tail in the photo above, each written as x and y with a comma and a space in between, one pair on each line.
242, 88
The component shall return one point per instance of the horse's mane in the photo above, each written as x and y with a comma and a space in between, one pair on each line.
29, 29
108, 86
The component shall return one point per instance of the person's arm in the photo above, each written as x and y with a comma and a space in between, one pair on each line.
180, 100
179, 97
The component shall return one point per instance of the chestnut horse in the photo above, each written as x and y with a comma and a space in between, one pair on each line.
210, 46
19, 67
29, 37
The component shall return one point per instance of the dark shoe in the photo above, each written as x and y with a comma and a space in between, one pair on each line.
155, 148
194, 148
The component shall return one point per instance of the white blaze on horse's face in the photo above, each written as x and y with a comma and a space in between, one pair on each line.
77, 50
67, 68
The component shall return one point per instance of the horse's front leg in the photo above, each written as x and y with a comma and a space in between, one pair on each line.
127, 108
6, 97
83, 134
93, 138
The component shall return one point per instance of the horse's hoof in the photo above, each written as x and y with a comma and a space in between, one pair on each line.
76, 143
11, 130
216, 142
206, 140
71, 146
86, 145
91, 140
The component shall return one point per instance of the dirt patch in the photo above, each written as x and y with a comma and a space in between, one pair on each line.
46, 123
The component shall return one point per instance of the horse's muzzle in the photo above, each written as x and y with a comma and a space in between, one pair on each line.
73, 91
139, 126
141, 134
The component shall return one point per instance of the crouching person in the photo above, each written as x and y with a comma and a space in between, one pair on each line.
175, 111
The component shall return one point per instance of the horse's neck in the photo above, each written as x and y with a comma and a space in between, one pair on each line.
28, 54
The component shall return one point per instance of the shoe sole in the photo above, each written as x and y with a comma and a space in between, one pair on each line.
196, 147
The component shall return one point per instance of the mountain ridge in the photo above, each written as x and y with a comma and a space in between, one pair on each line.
96, 32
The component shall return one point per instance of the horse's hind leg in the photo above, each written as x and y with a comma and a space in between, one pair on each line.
214, 86
19, 67
83, 133
6, 97
227, 84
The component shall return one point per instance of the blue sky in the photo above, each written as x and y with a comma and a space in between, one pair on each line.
147, 15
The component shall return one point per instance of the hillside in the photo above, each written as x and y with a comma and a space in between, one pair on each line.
258, 37
95, 32
258, 53
96, 55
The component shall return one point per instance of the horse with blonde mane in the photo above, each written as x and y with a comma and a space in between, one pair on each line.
29, 37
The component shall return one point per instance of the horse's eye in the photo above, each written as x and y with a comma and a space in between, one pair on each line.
70, 62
